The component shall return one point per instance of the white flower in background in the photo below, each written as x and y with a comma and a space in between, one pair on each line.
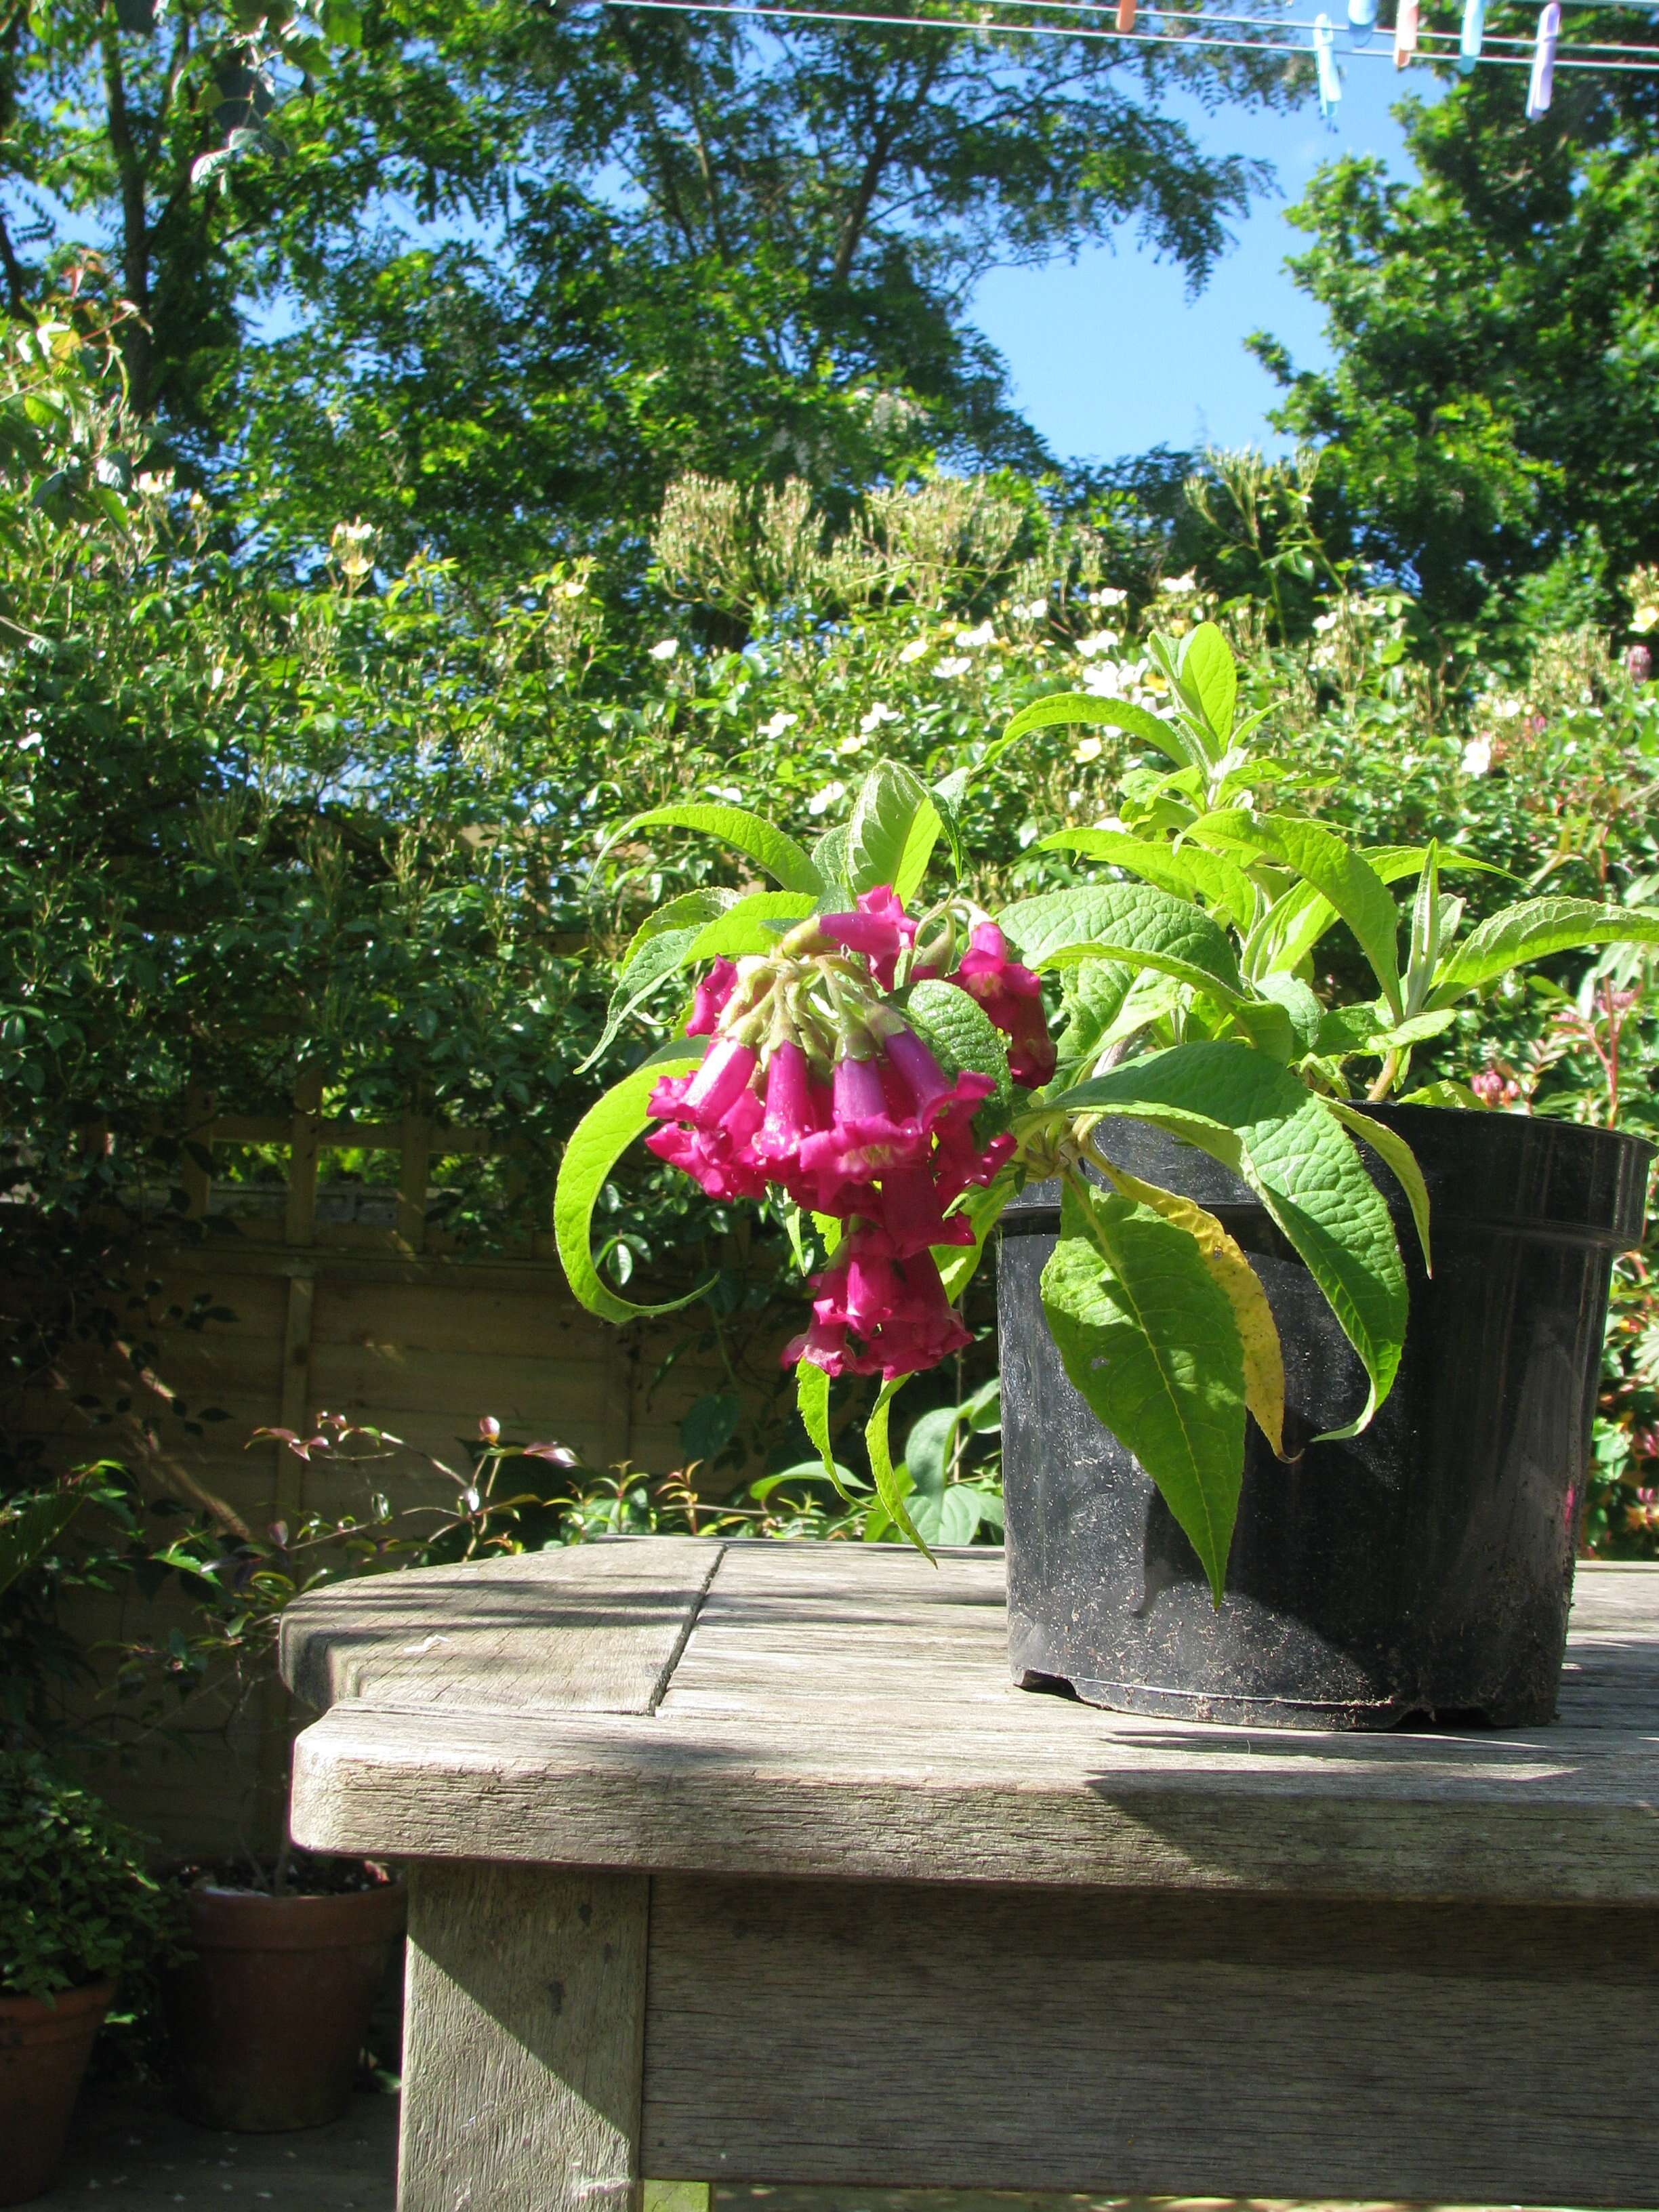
825, 796
729, 792
155, 485
574, 589
956, 664
1179, 588
852, 745
986, 634
1108, 596
664, 648
1507, 710
915, 650
1323, 623
1102, 640
1104, 680
878, 714
1153, 679
1033, 610
1477, 756
781, 721
1086, 748
1645, 619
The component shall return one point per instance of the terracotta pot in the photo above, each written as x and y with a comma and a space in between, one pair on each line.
267, 2021
44, 2050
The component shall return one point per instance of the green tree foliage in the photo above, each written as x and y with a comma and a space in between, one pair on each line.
538, 261
1492, 415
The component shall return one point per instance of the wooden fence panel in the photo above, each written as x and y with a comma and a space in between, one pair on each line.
386, 1325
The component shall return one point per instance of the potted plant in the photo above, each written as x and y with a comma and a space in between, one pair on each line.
1235, 1486
268, 2016
79, 1911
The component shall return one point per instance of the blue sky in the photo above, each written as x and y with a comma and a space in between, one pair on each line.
1108, 353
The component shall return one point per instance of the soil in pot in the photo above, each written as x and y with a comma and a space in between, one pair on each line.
268, 2019
1420, 1570
44, 2050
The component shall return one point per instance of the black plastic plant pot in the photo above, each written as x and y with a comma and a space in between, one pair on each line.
1421, 1571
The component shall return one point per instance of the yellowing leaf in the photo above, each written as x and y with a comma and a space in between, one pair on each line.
1258, 1332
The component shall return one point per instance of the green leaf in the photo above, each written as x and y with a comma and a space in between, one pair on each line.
28, 1532
960, 1511
1148, 1340
1337, 873
1188, 871
1402, 1161
1301, 1003
812, 1399
1130, 923
662, 957
698, 907
751, 835
959, 1263
597, 1143
1066, 707
1302, 1164
947, 796
1371, 1028
927, 1449
829, 859
1532, 931
1288, 933
1269, 1028
961, 1036
743, 928
1092, 995
1443, 1092
1258, 1332
894, 828
881, 1465
1209, 680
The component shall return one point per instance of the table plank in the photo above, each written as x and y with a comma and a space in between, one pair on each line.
843, 1713
1217, 2047
591, 1628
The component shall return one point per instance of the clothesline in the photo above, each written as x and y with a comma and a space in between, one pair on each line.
1319, 46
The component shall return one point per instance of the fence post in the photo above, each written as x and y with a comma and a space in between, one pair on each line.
413, 1177
196, 1179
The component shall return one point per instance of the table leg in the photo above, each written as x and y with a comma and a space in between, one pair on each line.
524, 2040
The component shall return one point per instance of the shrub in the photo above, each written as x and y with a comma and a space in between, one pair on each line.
77, 1903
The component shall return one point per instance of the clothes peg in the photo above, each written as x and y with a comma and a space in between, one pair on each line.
1541, 84
1405, 32
1126, 14
1474, 31
1330, 77
1362, 17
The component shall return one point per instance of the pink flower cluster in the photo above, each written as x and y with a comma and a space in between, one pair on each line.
829, 1094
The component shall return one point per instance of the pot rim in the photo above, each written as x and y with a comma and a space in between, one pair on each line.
85, 1997
1036, 1210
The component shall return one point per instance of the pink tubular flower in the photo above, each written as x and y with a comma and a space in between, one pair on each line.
899, 1310
795, 1111
1011, 997
907, 1216
706, 1095
708, 1002
722, 1160
935, 1096
880, 930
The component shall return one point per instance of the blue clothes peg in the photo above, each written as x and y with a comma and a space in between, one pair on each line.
1362, 19
1541, 84
1474, 31
1330, 77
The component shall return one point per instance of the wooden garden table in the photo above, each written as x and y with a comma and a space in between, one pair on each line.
745, 1861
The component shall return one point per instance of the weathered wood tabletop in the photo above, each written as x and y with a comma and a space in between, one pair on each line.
747, 1861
